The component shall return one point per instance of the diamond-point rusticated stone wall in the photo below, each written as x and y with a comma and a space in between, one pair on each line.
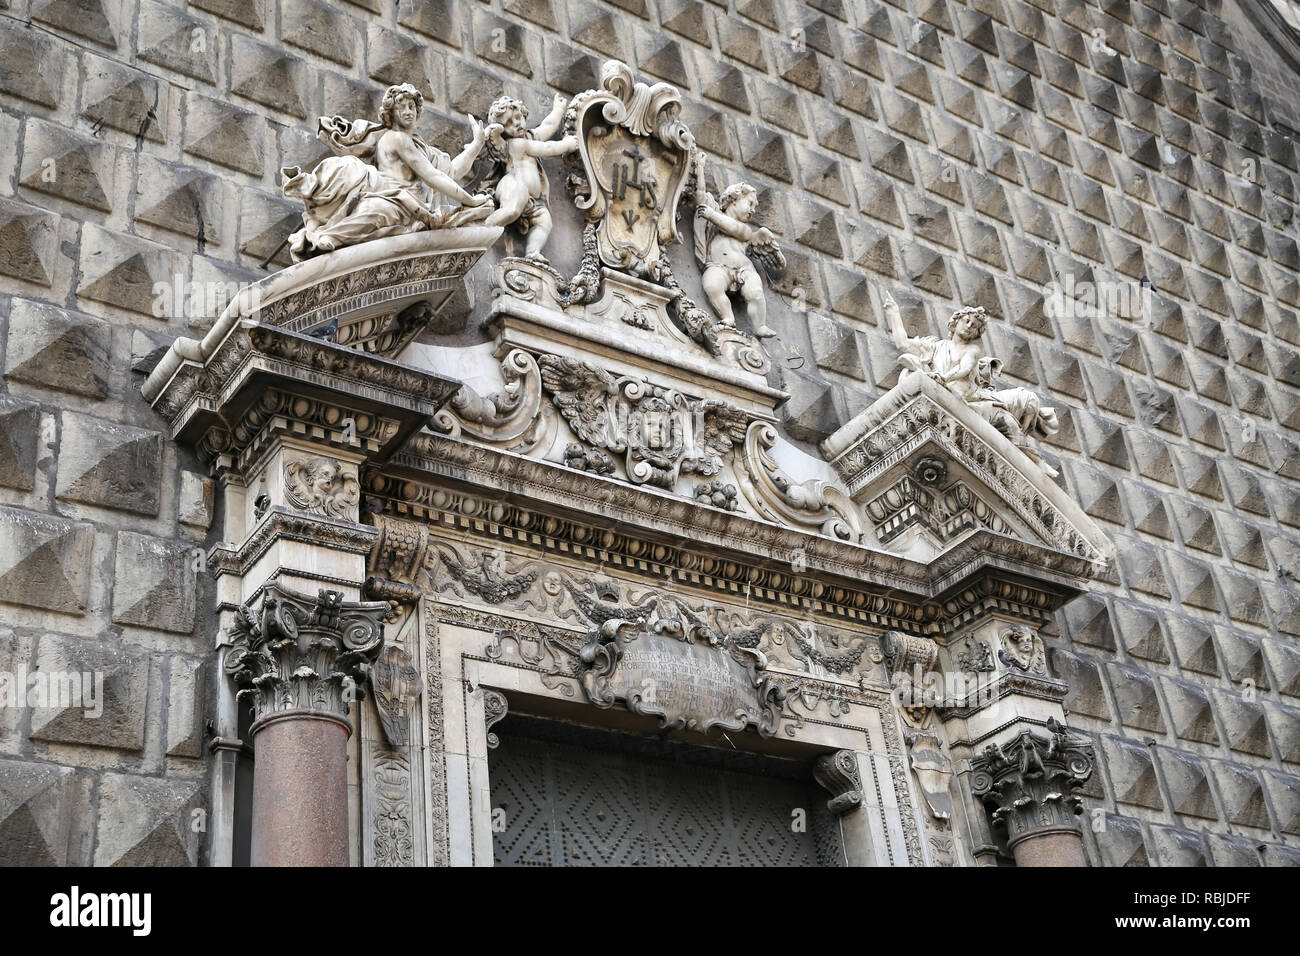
985, 152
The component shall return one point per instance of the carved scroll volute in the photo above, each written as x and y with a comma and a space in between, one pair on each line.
495, 708
812, 504
839, 774
511, 418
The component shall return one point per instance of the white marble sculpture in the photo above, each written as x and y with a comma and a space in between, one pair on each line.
960, 365
724, 242
522, 187
382, 181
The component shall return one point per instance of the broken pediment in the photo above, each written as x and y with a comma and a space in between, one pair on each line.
930, 471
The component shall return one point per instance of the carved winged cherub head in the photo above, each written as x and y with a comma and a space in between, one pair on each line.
967, 324
401, 107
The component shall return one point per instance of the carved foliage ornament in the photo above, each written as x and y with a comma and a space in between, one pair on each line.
297, 652
395, 684
1029, 783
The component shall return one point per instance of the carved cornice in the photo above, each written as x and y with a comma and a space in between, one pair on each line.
500, 495
920, 415
281, 524
1028, 784
297, 653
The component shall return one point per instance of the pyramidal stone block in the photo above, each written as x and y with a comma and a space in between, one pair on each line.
31, 64
320, 28
146, 821
44, 561
113, 714
123, 270
269, 76
155, 584
224, 134
28, 237
37, 804
81, 169
109, 465
19, 430
57, 349
176, 41
179, 199
92, 19
121, 98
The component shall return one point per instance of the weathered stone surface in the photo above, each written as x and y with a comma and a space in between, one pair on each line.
31, 64
154, 583
27, 241
113, 714
19, 429
185, 707
180, 199
145, 821
120, 270
1132, 773
112, 466
44, 561
195, 501
224, 134
37, 806
57, 349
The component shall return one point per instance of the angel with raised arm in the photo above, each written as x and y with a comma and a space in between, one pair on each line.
950, 362
724, 242
382, 181
522, 187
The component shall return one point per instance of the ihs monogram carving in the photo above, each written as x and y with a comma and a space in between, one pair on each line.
321, 486
635, 153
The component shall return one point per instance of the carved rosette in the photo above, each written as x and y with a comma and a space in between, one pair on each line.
296, 652
1028, 785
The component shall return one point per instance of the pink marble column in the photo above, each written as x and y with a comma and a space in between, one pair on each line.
300, 792
300, 659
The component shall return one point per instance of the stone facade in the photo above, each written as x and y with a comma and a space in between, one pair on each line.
1033, 158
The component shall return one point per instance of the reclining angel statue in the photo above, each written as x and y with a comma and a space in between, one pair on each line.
724, 242
382, 181
960, 365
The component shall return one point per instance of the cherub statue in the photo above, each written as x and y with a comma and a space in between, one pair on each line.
724, 242
960, 365
522, 187
383, 181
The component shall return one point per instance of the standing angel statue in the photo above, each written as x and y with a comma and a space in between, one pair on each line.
960, 365
382, 181
724, 242
521, 184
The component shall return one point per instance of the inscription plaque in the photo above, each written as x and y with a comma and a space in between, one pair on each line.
689, 686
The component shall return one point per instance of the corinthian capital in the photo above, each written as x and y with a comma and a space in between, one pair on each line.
1029, 784
295, 652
